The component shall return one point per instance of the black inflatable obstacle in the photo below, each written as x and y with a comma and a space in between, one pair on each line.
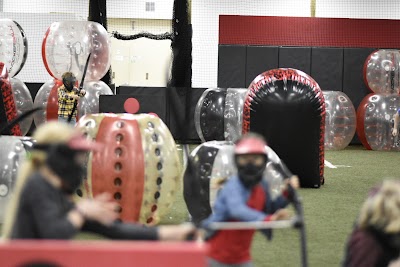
287, 107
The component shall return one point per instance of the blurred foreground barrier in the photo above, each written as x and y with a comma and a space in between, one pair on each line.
102, 254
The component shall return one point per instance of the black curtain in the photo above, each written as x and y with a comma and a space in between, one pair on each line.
98, 13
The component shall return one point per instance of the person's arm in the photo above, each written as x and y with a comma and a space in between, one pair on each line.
129, 231
122, 231
235, 199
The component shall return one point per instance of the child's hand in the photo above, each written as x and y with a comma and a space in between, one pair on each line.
281, 214
294, 181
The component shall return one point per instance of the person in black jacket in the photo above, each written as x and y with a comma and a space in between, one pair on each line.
43, 208
375, 240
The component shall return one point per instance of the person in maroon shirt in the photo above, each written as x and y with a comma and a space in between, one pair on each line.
375, 239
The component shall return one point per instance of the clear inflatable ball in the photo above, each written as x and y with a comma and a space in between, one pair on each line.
382, 71
67, 45
340, 120
13, 46
218, 114
375, 121
90, 103
23, 102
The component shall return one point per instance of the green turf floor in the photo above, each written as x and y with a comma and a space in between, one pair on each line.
329, 211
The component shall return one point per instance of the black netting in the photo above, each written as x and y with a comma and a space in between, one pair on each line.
126, 37
98, 13
181, 72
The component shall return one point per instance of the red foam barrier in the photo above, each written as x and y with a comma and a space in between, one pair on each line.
102, 254
306, 31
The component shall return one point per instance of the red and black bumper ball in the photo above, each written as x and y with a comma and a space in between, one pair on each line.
8, 108
287, 107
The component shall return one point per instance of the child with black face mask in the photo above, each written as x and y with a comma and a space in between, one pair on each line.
67, 95
42, 206
243, 198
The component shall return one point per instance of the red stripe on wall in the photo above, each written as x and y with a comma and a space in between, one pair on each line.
305, 31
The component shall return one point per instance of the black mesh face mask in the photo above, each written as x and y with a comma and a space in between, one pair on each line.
250, 173
65, 162
69, 82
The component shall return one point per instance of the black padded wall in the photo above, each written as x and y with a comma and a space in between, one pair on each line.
231, 66
181, 106
260, 59
175, 106
327, 67
295, 58
353, 82
149, 103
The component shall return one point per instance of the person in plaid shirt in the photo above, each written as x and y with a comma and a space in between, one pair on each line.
67, 95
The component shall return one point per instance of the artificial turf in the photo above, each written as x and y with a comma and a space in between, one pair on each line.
330, 211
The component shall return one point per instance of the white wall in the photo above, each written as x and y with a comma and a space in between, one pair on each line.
362, 9
205, 15
74, 7
136, 9
134, 26
140, 62
115, 8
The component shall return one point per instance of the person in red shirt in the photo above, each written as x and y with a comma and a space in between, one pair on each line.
245, 198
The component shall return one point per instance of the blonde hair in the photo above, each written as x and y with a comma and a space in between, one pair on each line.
48, 133
381, 210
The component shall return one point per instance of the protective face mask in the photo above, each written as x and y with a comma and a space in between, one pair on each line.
61, 160
250, 174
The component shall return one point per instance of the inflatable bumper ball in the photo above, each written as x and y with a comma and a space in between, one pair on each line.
340, 120
218, 114
23, 103
13, 152
14, 50
8, 109
375, 121
90, 103
47, 99
382, 71
13, 46
138, 164
210, 165
287, 107
67, 45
